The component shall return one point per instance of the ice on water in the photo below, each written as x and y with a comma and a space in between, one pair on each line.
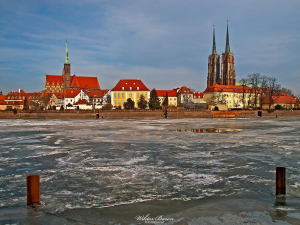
99, 163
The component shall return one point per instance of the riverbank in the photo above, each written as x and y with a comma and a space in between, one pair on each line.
145, 114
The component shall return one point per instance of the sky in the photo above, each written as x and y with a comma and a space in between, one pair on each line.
165, 43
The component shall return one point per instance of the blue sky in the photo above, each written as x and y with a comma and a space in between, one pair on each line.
165, 43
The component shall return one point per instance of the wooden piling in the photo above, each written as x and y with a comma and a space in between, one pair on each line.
280, 181
33, 190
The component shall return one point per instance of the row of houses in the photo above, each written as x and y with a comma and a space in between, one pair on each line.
77, 98
223, 96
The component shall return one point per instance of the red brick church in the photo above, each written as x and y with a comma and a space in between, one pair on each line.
61, 83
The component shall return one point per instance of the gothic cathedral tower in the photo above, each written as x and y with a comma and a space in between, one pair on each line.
213, 65
66, 71
228, 67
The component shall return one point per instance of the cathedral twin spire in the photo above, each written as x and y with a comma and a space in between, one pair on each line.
227, 75
227, 47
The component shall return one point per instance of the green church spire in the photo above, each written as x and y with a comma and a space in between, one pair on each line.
227, 48
67, 54
214, 49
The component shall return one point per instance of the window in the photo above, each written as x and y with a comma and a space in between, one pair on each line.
130, 88
115, 95
115, 102
118, 95
138, 88
146, 95
119, 103
122, 88
122, 102
122, 95
137, 95
12, 97
86, 86
130, 95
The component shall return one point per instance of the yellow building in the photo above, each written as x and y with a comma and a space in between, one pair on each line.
235, 97
129, 88
172, 96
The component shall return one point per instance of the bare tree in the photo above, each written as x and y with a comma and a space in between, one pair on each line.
263, 82
187, 101
254, 80
287, 91
273, 89
242, 97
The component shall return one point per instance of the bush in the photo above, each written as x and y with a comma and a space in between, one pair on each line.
278, 107
107, 106
129, 104
15, 111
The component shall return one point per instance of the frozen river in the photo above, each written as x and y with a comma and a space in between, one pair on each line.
125, 171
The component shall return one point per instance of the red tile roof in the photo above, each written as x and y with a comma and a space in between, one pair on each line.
282, 99
97, 94
2, 97
125, 84
198, 95
228, 88
80, 82
183, 90
85, 82
82, 102
162, 93
54, 79
58, 95
71, 93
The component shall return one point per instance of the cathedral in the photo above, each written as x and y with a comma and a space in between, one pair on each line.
227, 74
61, 83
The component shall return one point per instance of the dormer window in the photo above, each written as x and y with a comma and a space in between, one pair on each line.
130, 88
75, 85
133, 83
86, 86
123, 88
138, 88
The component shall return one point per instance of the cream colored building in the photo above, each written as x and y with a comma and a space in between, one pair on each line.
172, 96
232, 96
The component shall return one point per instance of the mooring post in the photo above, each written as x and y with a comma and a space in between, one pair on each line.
33, 190
280, 181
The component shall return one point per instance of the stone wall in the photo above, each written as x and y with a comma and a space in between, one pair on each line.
146, 114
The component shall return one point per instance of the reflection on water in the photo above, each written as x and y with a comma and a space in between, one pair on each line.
210, 130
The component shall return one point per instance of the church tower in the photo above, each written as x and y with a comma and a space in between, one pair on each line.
228, 68
66, 70
213, 65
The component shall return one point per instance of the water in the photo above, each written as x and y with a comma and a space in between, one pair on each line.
111, 171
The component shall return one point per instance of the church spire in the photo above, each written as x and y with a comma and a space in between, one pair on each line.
214, 50
227, 48
67, 54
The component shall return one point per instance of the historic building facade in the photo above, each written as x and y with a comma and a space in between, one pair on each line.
227, 75
61, 83
129, 88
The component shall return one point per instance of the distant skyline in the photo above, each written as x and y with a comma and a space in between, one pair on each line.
165, 43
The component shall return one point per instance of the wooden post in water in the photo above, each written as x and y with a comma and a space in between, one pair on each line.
280, 181
33, 190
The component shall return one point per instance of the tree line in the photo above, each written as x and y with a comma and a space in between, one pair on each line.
262, 88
